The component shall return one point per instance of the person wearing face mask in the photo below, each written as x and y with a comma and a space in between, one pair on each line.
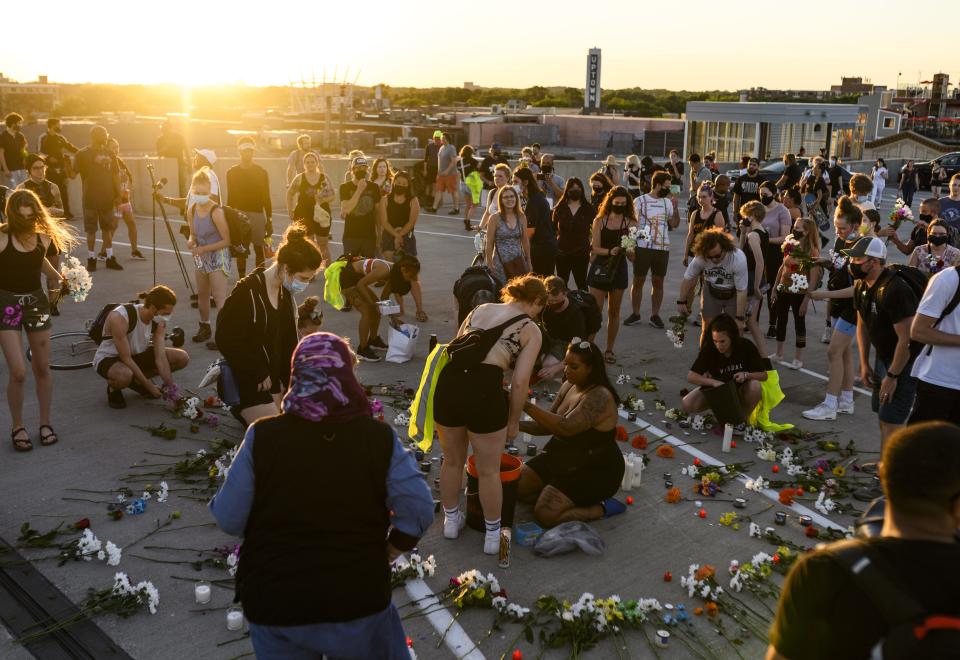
657, 214
754, 242
723, 267
842, 317
100, 173
360, 207
399, 221
777, 222
704, 216
57, 149
572, 219
929, 211
308, 201
568, 314
835, 174
721, 199
133, 352
787, 298
551, 183
257, 324
13, 147
936, 254
540, 227
861, 190
878, 174
600, 185
747, 187
886, 303
209, 242
309, 317
633, 176
248, 190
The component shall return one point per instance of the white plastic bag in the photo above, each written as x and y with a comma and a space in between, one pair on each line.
402, 343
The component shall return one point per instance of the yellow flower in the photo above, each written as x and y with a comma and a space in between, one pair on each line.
839, 470
480, 593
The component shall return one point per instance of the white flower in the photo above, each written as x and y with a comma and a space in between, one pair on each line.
567, 616
636, 404
101, 555
760, 559
766, 454
148, 591
164, 492
499, 602
755, 530
121, 584
114, 554
88, 545
691, 471
758, 485
824, 504
697, 423
623, 379
146, 495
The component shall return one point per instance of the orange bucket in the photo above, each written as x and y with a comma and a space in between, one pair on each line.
510, 468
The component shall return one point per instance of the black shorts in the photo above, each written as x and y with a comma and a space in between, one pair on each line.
586, 477
146, 361
472, 397
315, 229
649, 260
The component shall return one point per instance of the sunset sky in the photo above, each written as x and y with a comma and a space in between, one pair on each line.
693, 44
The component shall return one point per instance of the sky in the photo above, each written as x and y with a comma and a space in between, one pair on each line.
690, 44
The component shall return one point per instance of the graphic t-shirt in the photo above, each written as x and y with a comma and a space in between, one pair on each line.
743, 358
653, 213
748, 187
361, 222
950, 212
730, 274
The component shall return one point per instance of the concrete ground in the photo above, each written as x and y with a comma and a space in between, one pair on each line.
98, 448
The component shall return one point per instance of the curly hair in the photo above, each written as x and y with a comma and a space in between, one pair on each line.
711, 238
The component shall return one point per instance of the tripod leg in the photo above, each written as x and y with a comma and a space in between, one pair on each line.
176, 251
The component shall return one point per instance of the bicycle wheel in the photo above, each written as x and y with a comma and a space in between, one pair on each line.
70, 351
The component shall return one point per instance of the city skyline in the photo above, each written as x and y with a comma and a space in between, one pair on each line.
425, 46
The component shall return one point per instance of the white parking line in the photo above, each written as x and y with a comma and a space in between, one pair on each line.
456, 638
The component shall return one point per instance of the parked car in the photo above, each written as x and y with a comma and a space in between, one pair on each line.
773, 171
950, 162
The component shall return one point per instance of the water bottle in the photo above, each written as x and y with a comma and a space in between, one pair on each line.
433, 343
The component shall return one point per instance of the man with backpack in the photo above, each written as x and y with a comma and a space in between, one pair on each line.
886, 300
248, 190
937, 324
896, 591
131, 348
567, 314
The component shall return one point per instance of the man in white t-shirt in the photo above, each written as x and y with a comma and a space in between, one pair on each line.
937, 368
656, 213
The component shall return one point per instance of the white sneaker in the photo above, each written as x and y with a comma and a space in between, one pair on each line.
822, 412
827, 334
792, 364
491, 543
845, 407
453, 524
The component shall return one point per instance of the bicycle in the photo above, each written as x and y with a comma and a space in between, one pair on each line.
73, 350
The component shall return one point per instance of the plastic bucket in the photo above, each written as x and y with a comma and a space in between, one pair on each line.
510, 467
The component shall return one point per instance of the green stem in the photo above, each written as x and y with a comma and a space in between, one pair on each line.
236, 639
449, 626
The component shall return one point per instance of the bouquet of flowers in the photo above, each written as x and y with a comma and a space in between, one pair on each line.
76, 280
900, 213
677, 331
188, 407
792, 248
633, 236
934, 263
798, 284
402, 571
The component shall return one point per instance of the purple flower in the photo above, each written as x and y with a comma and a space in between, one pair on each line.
823, 463
171, 393
376, 406
211, 420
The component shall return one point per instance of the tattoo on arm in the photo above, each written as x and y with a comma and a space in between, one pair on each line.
587, 413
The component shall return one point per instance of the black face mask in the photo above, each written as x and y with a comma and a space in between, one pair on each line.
619, 208
926, 217
938, 239
746, 222
597, 191
798, 235
663, 192
546, 169
360, 173
574, 195
766, 198
400, 190
856, 270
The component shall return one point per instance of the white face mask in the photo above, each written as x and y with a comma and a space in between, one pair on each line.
161, 318
200, 199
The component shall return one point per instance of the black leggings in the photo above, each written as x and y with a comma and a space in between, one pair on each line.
242, 261
787, 301
576, 265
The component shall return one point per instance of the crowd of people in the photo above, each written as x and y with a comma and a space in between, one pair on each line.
560, 255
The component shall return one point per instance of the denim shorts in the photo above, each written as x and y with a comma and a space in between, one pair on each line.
897, 409
843, 326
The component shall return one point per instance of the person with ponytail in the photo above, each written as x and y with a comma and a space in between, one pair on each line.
257, 325
25, 237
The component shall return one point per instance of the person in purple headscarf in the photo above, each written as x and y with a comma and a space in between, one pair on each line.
325, 497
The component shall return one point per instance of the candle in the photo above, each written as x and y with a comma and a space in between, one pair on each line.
202, 593
740, 503
234, 619
663, 638
780, 518
806, 521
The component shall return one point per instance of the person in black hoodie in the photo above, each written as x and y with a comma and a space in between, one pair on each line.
543, 240
257, 326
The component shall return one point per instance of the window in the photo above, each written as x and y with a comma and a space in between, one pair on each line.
888, 122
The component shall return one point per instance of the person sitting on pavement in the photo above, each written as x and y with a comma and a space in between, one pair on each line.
132, 353
309, 317
563, 319
581, 467
726, 357
825, 613
325, 497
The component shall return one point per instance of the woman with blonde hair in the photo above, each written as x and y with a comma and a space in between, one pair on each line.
24, 239
312, 190
633, 176
805, 238
471, 408
507, 248
209, 243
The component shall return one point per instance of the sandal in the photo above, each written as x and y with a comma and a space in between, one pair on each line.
45, 439
609, 357
21, 444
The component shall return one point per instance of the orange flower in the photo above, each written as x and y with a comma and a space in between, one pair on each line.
672, 496
639, 441
665, 451
705, 572
712, 608
698, 611
621, 434
787, 495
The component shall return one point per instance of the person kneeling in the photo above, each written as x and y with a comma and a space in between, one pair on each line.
581, 466
133, 351
725, 357
568, 314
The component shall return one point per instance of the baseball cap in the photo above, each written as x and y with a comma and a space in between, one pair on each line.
867, 247
438, 133
210, 156
359, 161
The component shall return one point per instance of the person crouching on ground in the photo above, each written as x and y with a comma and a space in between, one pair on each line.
325, 498
471, 407
257, 325
725, 357
133, 351
563, 319
581, 466
309, 317
356, 279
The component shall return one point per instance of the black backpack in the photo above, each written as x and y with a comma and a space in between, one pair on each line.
912, 632
592, 319
474, 280
471, 348
238, 225
96, 328
914, 278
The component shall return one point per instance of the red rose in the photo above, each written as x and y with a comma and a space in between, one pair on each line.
812, 532
83, 523
787, 495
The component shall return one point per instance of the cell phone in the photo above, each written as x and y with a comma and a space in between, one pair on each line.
674, 189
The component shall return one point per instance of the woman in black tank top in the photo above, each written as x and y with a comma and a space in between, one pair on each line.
705, 217
310, 188
755, 242
24, 239
403, 209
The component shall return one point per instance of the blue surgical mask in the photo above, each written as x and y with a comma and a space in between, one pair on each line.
295, 286
200, 199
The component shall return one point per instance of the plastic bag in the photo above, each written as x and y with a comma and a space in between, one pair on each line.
401, 343
568, 537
